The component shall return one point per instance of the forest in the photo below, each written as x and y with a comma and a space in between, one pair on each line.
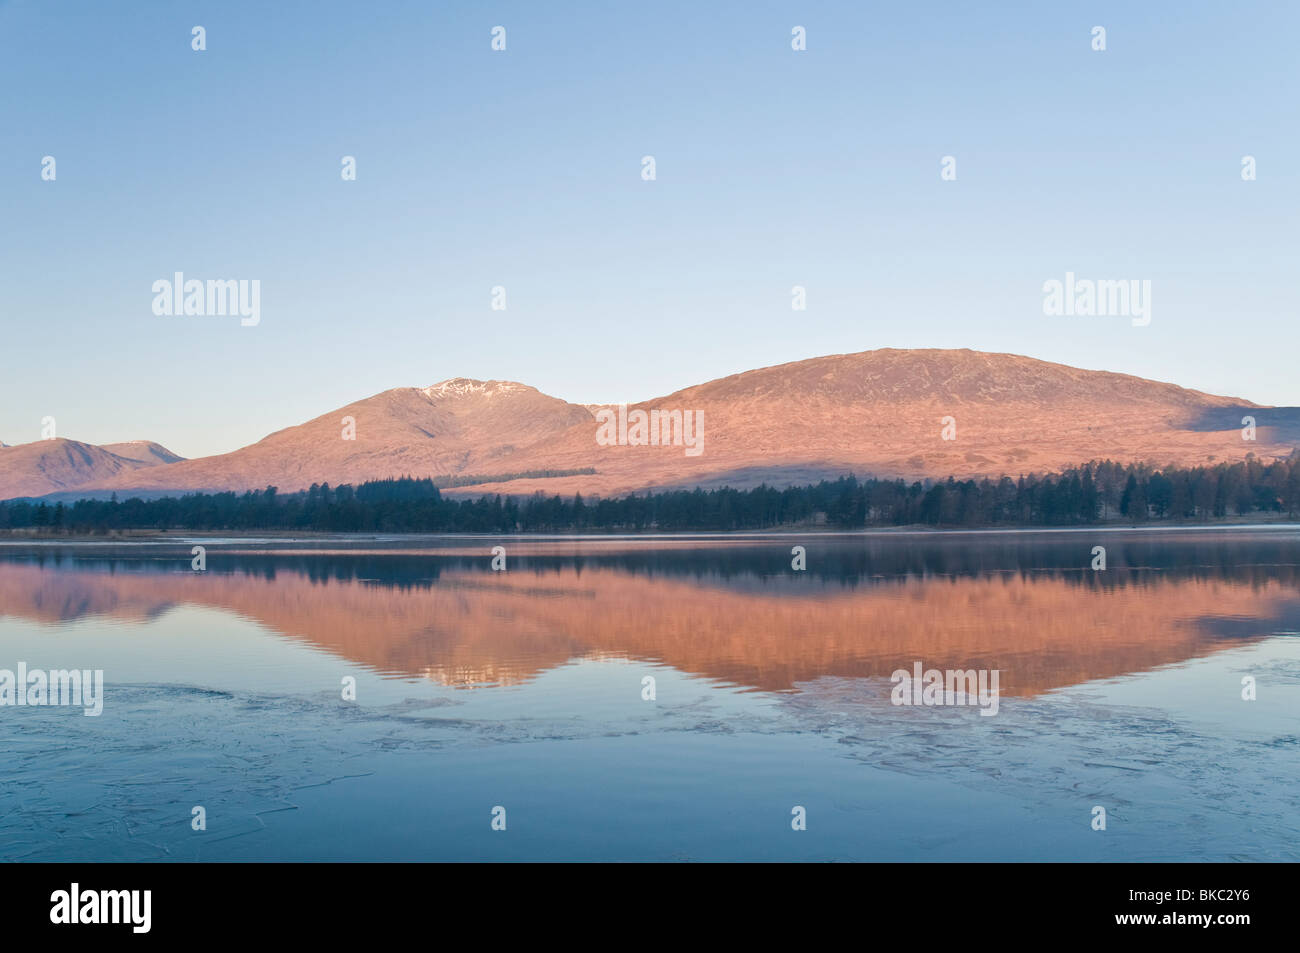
1099, 492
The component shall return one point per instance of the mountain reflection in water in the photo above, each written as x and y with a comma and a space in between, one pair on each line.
728, 610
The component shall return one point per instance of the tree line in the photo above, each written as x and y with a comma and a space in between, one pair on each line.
1095, 493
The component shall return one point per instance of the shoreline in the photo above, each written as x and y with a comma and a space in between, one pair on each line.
172, 535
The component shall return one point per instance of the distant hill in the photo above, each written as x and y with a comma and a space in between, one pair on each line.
50, 466
874, 412
144, 452
456, 427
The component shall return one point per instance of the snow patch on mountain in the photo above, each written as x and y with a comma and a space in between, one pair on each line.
467, 387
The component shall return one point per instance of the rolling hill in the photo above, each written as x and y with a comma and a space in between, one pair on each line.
51, 466
875, 412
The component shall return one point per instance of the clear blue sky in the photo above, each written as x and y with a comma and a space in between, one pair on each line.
522, 169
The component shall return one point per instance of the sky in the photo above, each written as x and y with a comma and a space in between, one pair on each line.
522, 169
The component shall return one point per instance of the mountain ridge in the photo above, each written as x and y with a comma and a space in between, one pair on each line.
883, 412
60, 464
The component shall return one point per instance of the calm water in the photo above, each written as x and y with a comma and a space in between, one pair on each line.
524, 689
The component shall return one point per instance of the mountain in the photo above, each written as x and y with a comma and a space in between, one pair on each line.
875, 412
144, 452
51, 466
457, 427
880, 412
